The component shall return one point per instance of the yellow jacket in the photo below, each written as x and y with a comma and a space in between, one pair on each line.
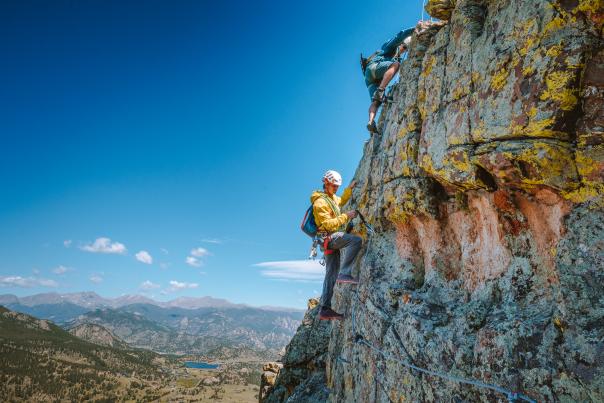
326, 218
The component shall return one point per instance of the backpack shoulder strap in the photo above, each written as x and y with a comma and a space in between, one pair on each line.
331, 203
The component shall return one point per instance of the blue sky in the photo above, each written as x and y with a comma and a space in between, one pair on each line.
192, 131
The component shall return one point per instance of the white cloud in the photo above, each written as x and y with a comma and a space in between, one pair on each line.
293, 270
199, 252
164, 250
212, 240
26, 282
61, 270
35, 271
96, 279
144, 256
177, 286
104, 245
148, 285
46, 283
195, 256
193, 261
67, 243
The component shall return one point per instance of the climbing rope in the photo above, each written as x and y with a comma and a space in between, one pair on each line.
423, 8
359, 339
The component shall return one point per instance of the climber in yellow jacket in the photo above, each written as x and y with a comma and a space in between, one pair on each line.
340, 248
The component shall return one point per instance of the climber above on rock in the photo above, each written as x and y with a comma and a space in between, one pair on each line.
340, 248
381, 67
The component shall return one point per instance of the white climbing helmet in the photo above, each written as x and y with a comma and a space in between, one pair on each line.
407, 42
333, 177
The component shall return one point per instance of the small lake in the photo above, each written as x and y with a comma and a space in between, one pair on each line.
200, 365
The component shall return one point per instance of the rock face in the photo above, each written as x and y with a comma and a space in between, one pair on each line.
486, 188
267, 381
302, 377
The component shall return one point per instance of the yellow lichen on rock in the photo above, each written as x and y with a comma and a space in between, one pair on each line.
421, 102
478, 133
554, 25
528, 70
476, 78
554, 51
585, 164
540, 128
428, 66
591, 6
594, 9
559, 90
459, 92
529, 43
587, 193
441, 9
394, 211
455, 169
499, 79
590, 165
551, 166
536, 128
460, 160
407, 154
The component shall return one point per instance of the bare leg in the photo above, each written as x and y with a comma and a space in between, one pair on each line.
372, 111
389, 74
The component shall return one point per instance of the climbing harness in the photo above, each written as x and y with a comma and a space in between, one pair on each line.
309, 227
313, 249
326, 241
361, 340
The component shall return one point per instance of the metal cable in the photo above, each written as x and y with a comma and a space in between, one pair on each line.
359, 339
512, 396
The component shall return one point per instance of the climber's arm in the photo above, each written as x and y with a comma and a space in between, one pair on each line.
347, 193
389, 47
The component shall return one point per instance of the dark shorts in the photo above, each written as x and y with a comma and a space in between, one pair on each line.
374, 74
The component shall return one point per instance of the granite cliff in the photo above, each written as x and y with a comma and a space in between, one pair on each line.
486, 188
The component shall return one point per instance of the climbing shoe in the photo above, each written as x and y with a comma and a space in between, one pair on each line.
372, 127
346, 279
378, 95
329, 314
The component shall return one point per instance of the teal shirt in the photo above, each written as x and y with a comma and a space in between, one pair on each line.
388, 49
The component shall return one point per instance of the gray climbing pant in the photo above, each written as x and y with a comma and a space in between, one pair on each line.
345, 248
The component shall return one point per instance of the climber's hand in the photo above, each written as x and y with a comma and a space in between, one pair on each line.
351, 214
421, 26
352, 184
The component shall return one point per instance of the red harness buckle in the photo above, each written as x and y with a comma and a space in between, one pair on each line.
326, 241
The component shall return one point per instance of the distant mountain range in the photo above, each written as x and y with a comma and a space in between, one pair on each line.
181, 326
195, 331
91, 300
